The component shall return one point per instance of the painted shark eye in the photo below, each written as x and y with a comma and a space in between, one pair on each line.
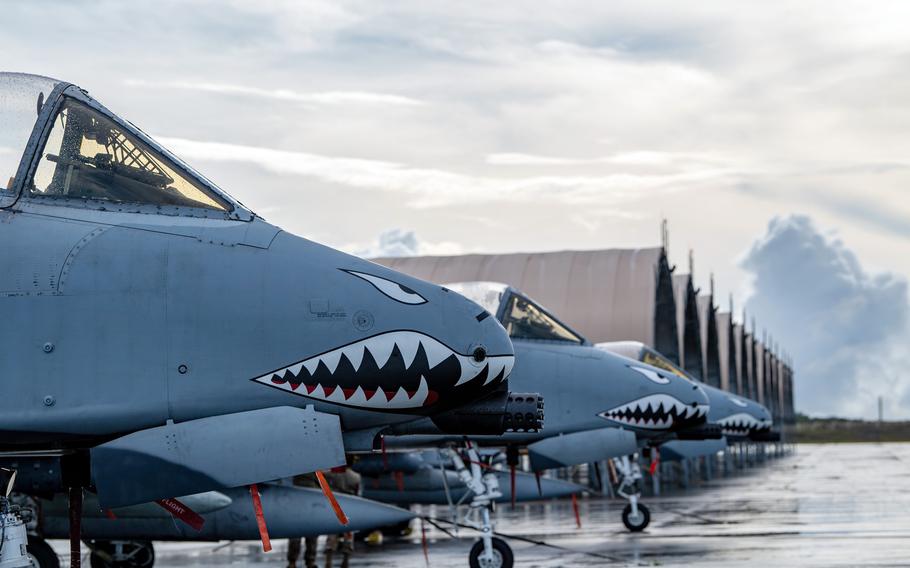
737, 402
394, 290
651, 375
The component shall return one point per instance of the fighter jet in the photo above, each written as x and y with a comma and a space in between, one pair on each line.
599, 405
164, 340
739, 419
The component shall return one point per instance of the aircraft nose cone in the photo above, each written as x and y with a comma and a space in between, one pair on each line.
357, 334
490, 355
488, 337
699, 404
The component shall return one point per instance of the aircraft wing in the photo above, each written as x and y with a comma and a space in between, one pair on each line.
212, 453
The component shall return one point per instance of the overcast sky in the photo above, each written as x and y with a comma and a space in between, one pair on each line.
535, 126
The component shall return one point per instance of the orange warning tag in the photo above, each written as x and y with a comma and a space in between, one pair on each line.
260, 519
182, 512
327, 491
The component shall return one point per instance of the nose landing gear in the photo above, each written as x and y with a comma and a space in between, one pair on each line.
489, 551
635, 516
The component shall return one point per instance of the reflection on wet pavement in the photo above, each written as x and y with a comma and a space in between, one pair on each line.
825, 505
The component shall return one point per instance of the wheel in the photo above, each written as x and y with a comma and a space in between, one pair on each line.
502, 555
133, 554
638, 522
41, 554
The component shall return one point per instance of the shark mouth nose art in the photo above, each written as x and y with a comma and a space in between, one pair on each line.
397, 370
742, 423
657, 412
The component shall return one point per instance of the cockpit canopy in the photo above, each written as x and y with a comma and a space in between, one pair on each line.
60, 146
522, 317
641, 352
21, 98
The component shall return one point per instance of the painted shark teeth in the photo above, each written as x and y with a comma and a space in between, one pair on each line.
497, 368
742, 423
655, 412
396, 370
400, 399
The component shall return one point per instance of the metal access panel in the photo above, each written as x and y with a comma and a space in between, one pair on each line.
581, 447
217, 452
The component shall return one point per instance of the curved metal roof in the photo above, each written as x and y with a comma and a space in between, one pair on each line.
606, 295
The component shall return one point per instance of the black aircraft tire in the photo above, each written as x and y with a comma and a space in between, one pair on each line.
636, 525
500, 549
40, 552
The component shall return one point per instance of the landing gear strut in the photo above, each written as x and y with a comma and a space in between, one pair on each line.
635, 516
488, 552
122, 554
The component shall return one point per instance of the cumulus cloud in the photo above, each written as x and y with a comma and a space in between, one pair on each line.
845, 327
401, 242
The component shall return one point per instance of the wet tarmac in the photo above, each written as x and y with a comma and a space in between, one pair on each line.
824, 505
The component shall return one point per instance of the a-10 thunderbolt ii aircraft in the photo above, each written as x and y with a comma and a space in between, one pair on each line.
739, 418
160, 339
599, 405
